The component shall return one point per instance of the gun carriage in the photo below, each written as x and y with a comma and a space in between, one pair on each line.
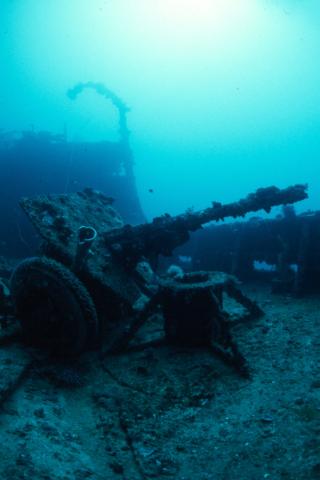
95, 283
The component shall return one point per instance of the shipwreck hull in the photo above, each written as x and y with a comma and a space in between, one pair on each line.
287, 247
43, 163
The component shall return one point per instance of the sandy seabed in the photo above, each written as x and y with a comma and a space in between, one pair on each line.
171, 413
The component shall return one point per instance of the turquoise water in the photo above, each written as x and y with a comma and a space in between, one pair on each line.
224, 95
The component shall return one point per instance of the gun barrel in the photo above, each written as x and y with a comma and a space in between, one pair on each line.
262, 199
165, 233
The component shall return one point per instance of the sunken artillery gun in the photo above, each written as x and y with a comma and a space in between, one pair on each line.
95, 285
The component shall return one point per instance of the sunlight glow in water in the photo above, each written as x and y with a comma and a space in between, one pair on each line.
214, 86
86, 31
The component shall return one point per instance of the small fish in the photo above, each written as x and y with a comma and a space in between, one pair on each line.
151, 190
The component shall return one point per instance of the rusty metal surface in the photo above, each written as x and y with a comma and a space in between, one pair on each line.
57, 219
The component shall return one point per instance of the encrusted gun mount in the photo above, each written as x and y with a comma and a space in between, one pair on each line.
113, 290
194, 314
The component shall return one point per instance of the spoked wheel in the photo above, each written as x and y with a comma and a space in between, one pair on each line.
55, 309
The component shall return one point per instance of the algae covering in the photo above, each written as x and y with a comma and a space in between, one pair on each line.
118, 269
155, 397
159, 240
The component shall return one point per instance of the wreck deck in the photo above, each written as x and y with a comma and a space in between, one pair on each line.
168, 412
